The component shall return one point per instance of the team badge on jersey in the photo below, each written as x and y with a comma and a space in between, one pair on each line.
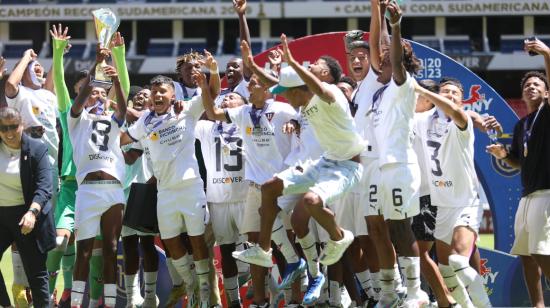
154, 136
249, 130
269, 116
35, 110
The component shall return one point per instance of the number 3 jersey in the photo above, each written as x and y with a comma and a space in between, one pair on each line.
96, 145
221, 147
449, 159
170, 139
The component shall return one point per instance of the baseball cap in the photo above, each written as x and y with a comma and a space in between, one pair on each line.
288, 78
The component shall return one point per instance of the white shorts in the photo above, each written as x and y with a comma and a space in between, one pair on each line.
127, 231
400, 188
371, 195
448, 218
349, 213
532, 225
327, 178
182, 208
92, 200
226, 221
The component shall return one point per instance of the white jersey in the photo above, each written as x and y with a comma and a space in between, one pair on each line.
38, 108
170, 139
241, 88
96, 145
141, 170
393, 123
221, 147
333, 125
367, 90
449, 158
419, 150
265, 145
304, 146
184, 93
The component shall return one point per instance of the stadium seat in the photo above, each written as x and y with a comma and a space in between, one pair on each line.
433, 42
68, 1
272, 41
15, 49
457, 45
511, 43
161, 47
101, 1
186, 45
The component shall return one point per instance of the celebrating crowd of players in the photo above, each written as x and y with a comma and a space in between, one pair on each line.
340, 185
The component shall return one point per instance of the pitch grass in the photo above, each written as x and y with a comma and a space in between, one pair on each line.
486, 241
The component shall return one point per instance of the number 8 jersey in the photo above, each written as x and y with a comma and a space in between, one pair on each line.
221, 147
96, 145
449, 159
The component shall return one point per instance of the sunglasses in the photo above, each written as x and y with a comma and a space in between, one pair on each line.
6, 128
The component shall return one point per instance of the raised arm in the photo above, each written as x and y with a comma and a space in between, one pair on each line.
86, 89
12, 83
264, 76
374, 35
396, 50
120, 112
118, 52
542, 49
384, 34
48, 83
244, 32
212, 112
3, 72
312, 82
210, 63
60, 41
452, 110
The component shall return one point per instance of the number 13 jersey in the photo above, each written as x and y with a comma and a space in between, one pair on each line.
221, 147
449, 158
96, 145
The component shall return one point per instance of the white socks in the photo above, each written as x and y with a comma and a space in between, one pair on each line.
150, 279
471, 280
131, 282
309, 247
77, 293
455, 286
410, 267
109, 294
176, 278
279, 236
365, 281
231, 285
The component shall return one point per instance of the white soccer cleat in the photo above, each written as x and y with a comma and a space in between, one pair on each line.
255, 255
335, 249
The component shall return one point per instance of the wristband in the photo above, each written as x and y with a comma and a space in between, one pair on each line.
398, 22
34, 211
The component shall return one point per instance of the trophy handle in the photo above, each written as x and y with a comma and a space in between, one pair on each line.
100, 79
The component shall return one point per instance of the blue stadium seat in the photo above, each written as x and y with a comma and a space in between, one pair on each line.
187, 46
270, 42
160, 47
15, 1
430, 41
256, 45
68, 1
15, 49
101, 1
511, 45
457, 45
77, 51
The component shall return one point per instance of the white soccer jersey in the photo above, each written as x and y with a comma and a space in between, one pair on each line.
449, 158
38, 108
419, 150
333, 126
304, 146
393, 123
142, 169
96, 145
170, 139
221, 147
364, 96
147, 164
265, 144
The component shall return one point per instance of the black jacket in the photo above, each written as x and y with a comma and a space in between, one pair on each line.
36, 181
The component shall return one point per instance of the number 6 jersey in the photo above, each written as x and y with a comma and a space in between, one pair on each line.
449, 159
221, 147
96, 145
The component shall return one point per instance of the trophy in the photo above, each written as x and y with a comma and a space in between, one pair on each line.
106, 24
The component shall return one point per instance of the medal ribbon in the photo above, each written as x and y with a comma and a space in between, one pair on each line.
528, 130
256, 114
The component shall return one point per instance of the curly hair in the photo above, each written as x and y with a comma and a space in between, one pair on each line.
187, 58
536, 74
334, 68
410, 61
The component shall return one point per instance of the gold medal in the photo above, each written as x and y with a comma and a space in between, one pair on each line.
225, 149
525, 152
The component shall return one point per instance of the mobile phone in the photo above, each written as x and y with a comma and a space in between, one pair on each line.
532, 39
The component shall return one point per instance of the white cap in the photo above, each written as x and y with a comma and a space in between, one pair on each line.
288, 78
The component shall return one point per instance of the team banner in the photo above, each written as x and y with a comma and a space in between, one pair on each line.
275, 9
